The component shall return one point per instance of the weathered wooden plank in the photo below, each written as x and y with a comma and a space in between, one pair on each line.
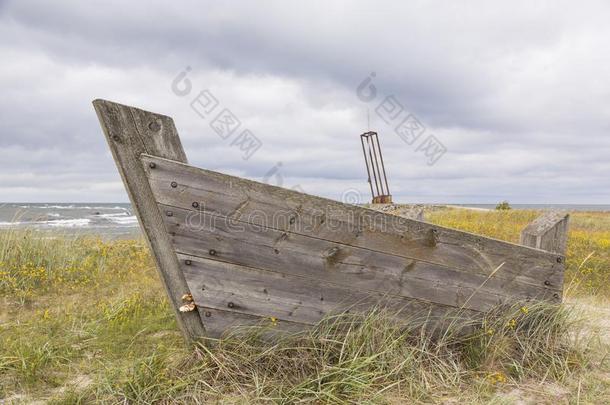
284, 296
131, 132
275, 250
219, 322
294, 212
547, 232
353, 267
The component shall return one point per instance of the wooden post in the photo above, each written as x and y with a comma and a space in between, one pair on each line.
547, 232
130, 132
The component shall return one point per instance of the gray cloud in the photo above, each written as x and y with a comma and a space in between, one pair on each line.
517, 93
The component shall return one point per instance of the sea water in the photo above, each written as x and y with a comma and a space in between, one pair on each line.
118, 220
114, 220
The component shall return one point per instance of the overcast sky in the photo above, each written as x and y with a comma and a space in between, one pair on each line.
516, 93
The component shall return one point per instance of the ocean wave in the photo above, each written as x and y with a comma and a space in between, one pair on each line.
131, 220
71, 207
119, 214
58, 223
69, 223
8, 224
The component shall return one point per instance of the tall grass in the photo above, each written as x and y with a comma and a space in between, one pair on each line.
365, 358
38, 262
80, 309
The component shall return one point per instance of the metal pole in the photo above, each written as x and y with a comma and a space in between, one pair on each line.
383, 167
373, 136
372, 166
368, 172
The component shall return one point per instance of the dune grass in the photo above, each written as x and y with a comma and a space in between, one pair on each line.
588, 254
85, 320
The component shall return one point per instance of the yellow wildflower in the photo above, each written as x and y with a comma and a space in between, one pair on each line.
497, 377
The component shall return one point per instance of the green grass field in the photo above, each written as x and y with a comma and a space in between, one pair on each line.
85, 320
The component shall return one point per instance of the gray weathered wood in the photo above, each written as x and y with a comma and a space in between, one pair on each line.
267, 294
349, 266
273, 207
131, 132
218, 322
547, 232
218, 230
255, 254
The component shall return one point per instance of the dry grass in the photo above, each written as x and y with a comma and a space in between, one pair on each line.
85, 320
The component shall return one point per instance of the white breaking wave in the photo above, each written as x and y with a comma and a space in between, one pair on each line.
120, 218
69, 223
5, 224
119, 214
131, 220
72, 207
58, 223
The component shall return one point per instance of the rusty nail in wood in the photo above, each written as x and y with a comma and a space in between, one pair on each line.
188, 262
559, 259
169, 214
174, 184
208, 314
231, 305
547, 282
152, 165
212, 252
195, 204
556, 295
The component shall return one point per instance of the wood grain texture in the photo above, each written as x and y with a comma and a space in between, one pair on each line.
131, 132
255, 254
246, 244
547, 232
241, 240
219, 322
306, 300
296, 213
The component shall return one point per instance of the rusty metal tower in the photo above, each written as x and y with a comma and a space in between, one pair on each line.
374, 165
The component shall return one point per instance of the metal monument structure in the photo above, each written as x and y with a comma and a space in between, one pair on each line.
233, 252
373, 159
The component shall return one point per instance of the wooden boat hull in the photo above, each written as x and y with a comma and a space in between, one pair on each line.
249, 252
